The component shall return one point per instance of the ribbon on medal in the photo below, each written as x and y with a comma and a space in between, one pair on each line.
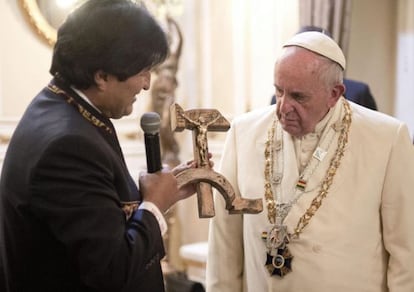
279, 264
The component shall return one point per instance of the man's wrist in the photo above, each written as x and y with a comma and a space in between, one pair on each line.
151, 207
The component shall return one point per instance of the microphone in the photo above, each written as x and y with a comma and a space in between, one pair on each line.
150, 124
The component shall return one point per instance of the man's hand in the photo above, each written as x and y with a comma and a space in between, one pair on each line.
161, 187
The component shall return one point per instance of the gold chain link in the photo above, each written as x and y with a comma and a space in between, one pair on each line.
268, 172
326, 184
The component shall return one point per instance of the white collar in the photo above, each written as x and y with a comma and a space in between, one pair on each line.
85, 98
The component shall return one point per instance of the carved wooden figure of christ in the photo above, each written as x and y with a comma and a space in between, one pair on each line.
200, 121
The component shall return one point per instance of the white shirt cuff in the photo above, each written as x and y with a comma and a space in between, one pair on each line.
157, 213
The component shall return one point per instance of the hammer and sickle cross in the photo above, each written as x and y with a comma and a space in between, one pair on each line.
200, 121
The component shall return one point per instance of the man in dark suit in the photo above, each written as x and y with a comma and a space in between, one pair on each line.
72, 218
359, 93
355, 91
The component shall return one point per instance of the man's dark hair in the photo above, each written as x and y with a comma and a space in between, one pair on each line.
118, 37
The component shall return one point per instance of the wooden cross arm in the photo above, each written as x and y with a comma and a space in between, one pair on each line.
179, 123
234, 204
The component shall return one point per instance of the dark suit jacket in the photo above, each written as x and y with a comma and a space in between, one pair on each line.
357, 92
63, 185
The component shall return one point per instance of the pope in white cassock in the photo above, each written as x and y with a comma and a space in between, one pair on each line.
336, 181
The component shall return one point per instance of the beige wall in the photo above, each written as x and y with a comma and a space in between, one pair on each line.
404, 106
24, 60
371, 55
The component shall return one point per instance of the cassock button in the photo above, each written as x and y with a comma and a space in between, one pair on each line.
278, 145
316, 248
277, 178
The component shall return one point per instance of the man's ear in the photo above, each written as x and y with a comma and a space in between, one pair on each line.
101, 79
337, 91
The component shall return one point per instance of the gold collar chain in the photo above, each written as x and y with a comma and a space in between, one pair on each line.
91, 118
271, 202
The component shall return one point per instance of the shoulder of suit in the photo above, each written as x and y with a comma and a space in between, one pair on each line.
350, 83
377, 118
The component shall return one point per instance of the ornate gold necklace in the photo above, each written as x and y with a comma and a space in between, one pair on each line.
278, 257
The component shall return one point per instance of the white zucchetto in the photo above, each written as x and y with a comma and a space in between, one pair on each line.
318, 43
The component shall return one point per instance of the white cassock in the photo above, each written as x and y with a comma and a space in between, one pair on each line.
361, 239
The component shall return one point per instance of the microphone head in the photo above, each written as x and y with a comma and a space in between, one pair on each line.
150, 123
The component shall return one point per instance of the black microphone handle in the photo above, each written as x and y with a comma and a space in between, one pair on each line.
153, 153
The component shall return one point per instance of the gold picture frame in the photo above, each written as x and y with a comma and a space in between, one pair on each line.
48, 33
38, 22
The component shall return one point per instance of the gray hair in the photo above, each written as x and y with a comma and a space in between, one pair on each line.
330, 73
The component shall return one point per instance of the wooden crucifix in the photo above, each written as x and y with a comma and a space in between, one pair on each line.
200, 121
